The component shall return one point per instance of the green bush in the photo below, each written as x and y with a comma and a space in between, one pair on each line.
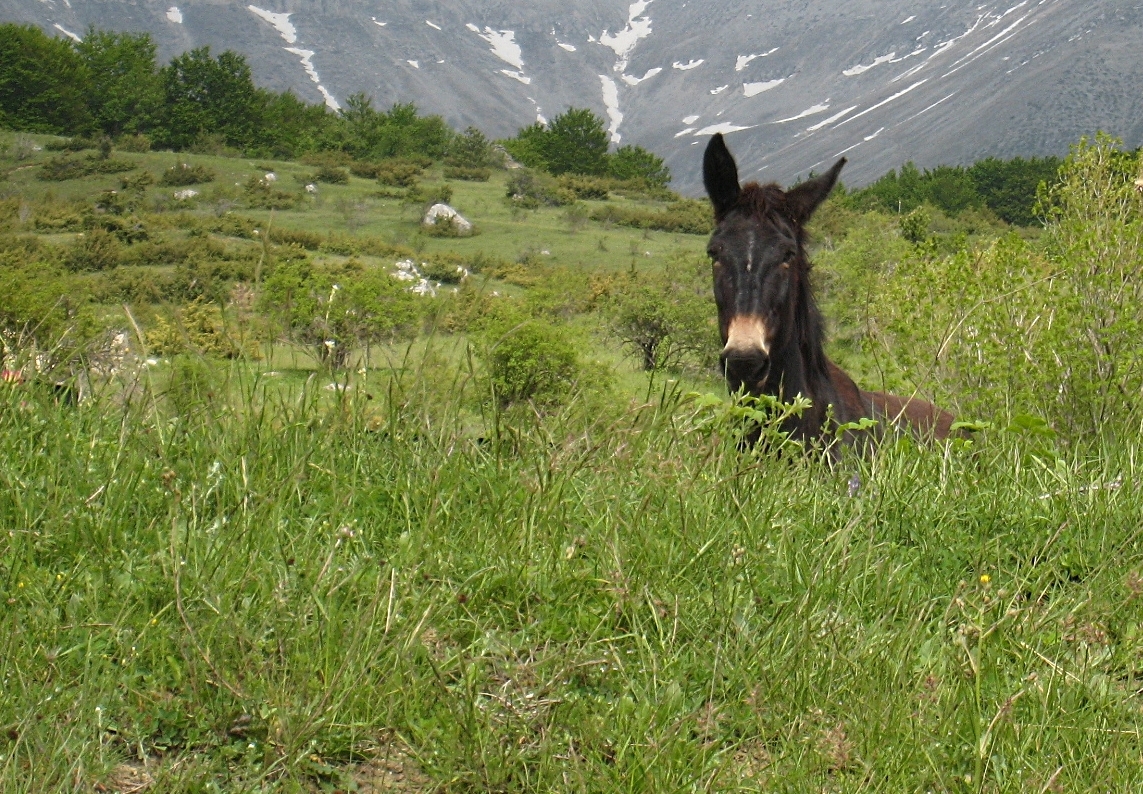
261, 194
586, 187
331, 176
1010, 330
446, 272
133, 143
60, 169
427, 196
398, 173
93, 251
687, 216
665, 317
530, 189
186, 174
528, 359
467, 174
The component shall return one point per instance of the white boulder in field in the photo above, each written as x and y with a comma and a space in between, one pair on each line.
183, 195
443, 212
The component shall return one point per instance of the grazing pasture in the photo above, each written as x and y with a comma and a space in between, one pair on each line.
509, 540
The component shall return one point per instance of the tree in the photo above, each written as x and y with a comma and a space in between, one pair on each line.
470, 149
576, 142
44, 84
664, 316
527, 148
635, 162
202, 94
124, 93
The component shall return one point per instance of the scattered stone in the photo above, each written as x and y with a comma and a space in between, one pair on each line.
311, 188
183, 195
271, 177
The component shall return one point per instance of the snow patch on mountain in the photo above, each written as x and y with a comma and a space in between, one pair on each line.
66, 32
693, 63
885, 102
281, 23
378, 24
754, 89
503, 43
611, 102
432, 25
725, 128
631, 80
308, 65
174, 15
623, 43
690, 119
853, 71
568, 47
742, 60
831, 119
813, 111
720, 89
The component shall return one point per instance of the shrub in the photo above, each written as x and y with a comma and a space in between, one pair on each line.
76, 144
531, 189
310, 241
1011, 330
427, 196
528, 359
331, 176
201, 329
398, 173
586, 187
133, 143
260, 194
446, 272
93, 251
59, 169
687, 216
664, 317
467, 174
470, 150
186, 174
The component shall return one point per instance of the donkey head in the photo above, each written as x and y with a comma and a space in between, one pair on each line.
761, 278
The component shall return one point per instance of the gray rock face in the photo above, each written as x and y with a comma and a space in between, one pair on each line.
794, 83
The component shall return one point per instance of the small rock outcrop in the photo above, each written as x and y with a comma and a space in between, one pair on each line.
443, 213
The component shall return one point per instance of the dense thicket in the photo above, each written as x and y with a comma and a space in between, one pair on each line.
575, 142
1007, 187
111, 84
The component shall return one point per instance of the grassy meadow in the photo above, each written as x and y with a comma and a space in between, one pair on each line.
440, 563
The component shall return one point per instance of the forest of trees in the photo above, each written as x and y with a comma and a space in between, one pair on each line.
110, 84
1007, 187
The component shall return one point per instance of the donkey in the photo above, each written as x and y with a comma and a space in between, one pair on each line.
771, 329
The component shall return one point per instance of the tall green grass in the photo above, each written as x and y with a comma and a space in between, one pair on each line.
295, 590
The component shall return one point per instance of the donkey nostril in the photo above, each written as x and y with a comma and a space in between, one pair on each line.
748, 369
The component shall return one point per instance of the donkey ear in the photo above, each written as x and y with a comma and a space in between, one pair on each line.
720, 176
801, 201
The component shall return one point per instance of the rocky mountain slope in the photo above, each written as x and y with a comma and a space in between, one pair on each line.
797, 82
